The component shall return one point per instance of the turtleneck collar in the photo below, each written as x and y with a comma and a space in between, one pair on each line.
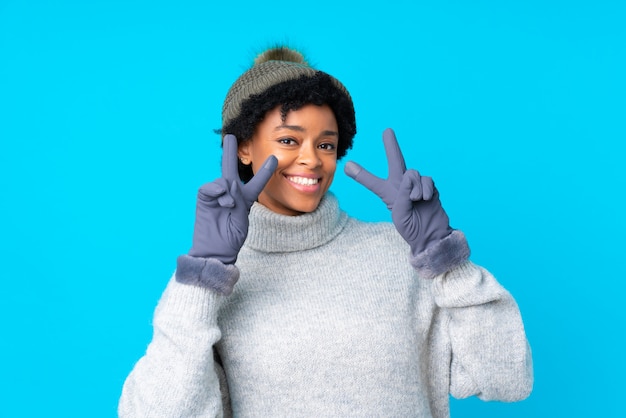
272, 232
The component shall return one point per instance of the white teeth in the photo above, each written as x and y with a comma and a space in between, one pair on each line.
303, 181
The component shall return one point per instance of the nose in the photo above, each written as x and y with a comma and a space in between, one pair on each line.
308, 157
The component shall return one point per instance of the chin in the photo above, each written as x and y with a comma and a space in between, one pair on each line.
291, 205
305, 207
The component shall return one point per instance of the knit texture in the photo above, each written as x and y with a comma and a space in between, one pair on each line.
443, 256
206, 272
261, 77
329, 318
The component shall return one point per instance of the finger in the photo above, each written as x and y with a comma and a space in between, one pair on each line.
428, 187
211, 190
236, 193
253, 188
229, 158
226, 200
407, 194
413, 181
367, 179
216, 194
395, 159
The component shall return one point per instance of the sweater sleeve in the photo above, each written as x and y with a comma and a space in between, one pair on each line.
491, 357
178, 376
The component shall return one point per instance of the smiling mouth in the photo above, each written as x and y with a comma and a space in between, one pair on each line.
303, 181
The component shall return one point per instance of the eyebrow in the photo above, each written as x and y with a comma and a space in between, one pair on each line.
301, 129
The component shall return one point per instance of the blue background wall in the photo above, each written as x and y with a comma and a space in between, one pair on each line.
517, 110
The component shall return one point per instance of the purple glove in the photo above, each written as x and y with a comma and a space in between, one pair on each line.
413, 200
222, 208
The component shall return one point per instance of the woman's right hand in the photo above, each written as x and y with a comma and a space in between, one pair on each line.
223, 205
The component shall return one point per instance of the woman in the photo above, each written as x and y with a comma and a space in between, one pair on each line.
309, 311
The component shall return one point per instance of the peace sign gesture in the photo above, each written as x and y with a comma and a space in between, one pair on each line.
413, 199
223, 205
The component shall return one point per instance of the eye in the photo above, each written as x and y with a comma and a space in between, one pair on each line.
287, 141
328, 146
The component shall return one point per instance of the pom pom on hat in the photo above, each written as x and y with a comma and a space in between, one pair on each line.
280, 53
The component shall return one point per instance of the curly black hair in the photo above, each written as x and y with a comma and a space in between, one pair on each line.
318, 89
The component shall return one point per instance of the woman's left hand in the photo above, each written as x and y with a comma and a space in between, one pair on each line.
413, 199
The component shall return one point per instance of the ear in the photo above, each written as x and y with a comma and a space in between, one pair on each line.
243, 153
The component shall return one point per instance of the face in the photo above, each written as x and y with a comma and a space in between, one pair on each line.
305, 144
